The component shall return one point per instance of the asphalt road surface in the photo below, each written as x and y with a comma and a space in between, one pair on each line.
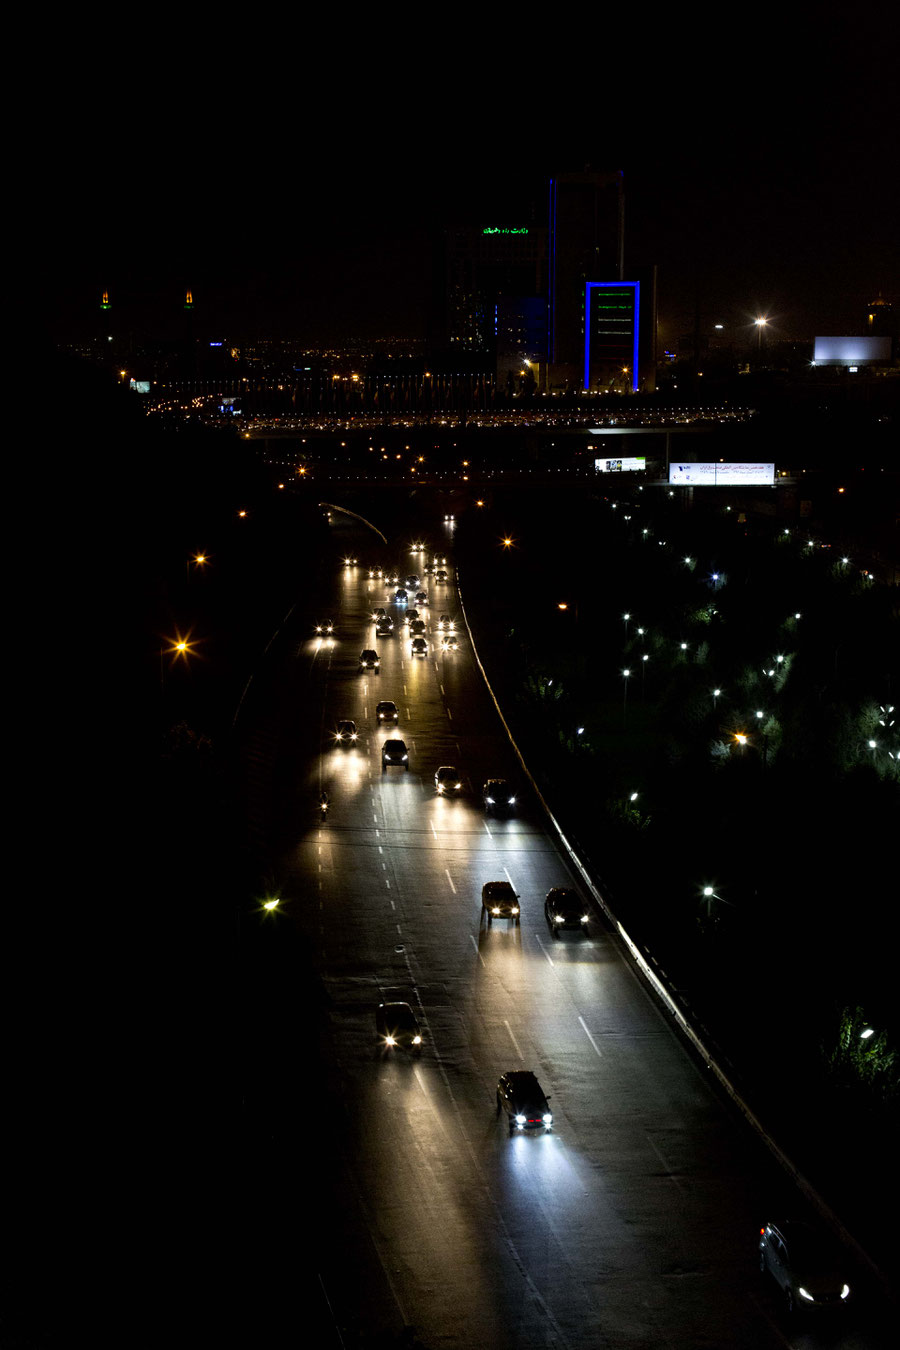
415, 1218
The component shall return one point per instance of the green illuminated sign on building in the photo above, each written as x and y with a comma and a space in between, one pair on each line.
505, 229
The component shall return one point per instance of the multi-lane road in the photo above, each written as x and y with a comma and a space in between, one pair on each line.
634, 1221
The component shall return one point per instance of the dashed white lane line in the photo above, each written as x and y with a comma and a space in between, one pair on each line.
509, 878
490, 836
666, 1164
477, 952
590, 1037
449, 714
543, 949
433, 830
450, 879
513, 1039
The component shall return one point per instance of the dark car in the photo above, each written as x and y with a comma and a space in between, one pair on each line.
394, 754
421, 598
447, 780
384, 627
440, 575
499, 901
417, 628
412, 582
419, 647
386, 711
378, 613
498, 796
449, 643
369, 659
564, 908
446, 624
401, 595
521, 1097
411, 615
325, 629
806, 1264
346, 733
397, 1025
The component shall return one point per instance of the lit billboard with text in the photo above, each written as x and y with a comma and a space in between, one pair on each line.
851, 351
721, 475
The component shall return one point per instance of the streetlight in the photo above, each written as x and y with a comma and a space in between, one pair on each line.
716, 694
625, 674
760, 325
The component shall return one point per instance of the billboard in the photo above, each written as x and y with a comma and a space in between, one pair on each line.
611, 330
721, 475
851, 351
627, 464
139, 386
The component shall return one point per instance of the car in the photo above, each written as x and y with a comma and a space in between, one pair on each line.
428, 570
350, 561
376, 573
412, 582
806, 1264
447, 780
440, 575
392, 578
521, 1097
378, 613
397, 1025
384, 627
394, 754
346, 733
499, 901
497, 795
401, 595
386, 711
564, 908
417, 628
449, 643
440, 560
325, 629
446, 624
421, 598
418, 647
369, 659
411, 615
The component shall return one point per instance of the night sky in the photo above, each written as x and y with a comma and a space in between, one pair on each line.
297, 193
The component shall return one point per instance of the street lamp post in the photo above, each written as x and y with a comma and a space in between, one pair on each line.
625, 674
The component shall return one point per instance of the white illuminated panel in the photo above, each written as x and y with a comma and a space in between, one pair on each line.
721, 475
629, 464
851, 351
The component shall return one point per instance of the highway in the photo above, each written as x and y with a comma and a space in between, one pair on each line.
634, 1221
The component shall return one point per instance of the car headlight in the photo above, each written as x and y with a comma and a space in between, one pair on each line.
457, 785
548, 1119
520, 1120
354, 737
845, 1291
489, 800
495, 910
440, 788
389, 1040
557, 918
417, 1040
512, 801
805, 1294
405, 757
584, 918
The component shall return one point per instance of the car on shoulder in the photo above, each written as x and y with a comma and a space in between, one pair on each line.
498, 796
369, 659
325, 629
523, 1101
447, 781
499, 901
384, 627
806, 1264
401, 595
398, 1027
394, 755
386, 711
449, 643
446, 624
346, 733
417, 628
564, 908
421, 598
418, 647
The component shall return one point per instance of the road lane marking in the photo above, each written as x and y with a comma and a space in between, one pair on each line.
450, 879
387, 883
509, 878
665, 1162
590, 1037
486, 827
543, 949
513, 1039
477, 952
449, 714
433, 830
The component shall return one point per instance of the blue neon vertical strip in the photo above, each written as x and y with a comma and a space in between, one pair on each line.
636, 311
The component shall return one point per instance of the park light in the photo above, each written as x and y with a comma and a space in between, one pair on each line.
864, 1035
633, 797
271, 904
